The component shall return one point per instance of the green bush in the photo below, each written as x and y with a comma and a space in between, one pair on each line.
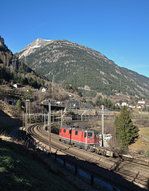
18, 104
147, 153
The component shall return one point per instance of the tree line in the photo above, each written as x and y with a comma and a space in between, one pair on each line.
7, 75
106, 102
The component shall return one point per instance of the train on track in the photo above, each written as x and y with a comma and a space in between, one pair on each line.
89, 139
77, 136
85, 138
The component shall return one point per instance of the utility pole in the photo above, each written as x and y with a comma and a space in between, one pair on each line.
102, 125
29, 111
25, 115
26, 118
49, 127
53, 116
44, 117
61, 118
23, 119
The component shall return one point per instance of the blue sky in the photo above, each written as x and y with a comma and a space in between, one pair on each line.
119, 29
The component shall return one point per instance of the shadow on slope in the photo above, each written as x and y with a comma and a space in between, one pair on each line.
8, 124
20, 170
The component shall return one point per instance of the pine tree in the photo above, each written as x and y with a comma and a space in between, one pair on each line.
18, 104
126, 132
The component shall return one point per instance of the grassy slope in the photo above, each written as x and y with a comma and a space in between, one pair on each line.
143, 124
19, 171
141, 144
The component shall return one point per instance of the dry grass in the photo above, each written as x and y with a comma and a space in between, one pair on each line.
141, 144
141, 120
144, 132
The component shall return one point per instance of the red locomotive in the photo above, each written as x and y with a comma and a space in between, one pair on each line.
77, 136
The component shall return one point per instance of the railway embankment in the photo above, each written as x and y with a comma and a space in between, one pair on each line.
92, 171
28, 169
20, 166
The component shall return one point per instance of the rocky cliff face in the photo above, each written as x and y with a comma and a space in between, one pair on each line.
1, 42
70, 63
5, 53
9, 60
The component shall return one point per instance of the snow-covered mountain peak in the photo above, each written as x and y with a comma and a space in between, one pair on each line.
33, 46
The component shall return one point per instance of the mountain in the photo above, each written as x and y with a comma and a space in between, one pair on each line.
70, 63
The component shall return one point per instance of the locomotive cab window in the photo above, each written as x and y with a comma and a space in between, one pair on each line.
90, 134
76, 132
69, 131
64, 130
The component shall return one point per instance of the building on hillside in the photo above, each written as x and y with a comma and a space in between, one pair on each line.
58, 103
16, 86
138, 107
132, 106
124, 104
118, 104
43, 90
141, 102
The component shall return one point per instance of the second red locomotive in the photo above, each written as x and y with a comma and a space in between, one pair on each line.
79, 136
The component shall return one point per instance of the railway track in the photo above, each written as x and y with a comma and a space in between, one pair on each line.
131, 171
42, 136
